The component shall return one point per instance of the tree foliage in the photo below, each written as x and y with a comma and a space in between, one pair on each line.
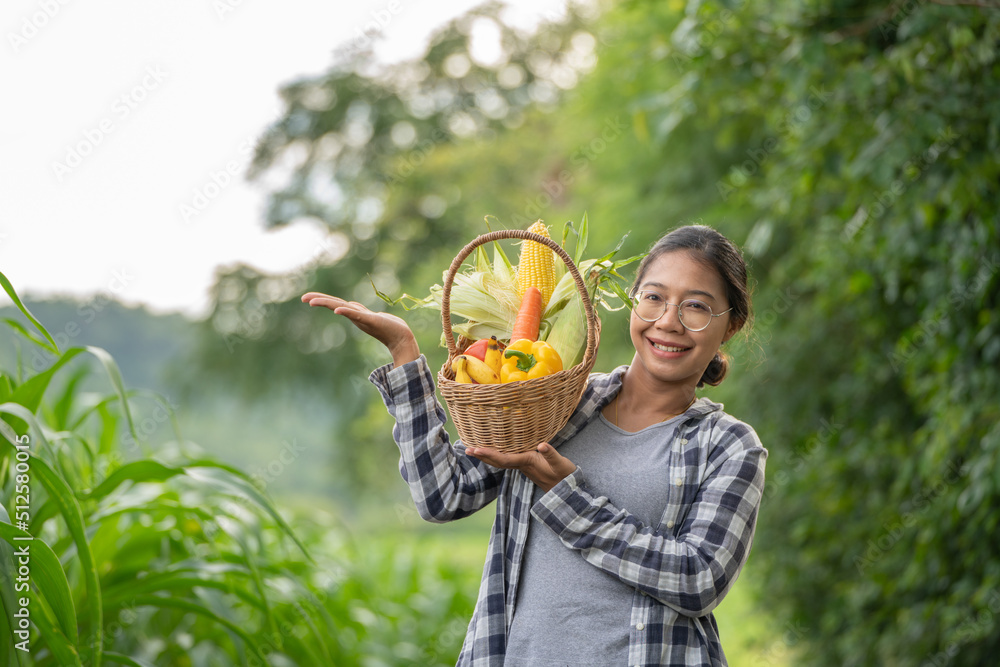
861, 145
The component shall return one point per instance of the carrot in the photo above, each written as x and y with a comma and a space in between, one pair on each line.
529, 316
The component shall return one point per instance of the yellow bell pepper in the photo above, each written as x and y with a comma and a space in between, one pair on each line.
529, 359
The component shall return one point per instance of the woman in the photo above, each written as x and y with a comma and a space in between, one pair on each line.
625, 532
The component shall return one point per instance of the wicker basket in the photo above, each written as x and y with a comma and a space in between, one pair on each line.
515, 416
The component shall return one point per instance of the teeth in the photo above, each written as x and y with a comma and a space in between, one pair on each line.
667, 348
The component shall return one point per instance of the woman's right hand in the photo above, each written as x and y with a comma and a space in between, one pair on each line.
391, 331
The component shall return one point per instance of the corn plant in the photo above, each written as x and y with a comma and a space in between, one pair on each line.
112, 557
137, 557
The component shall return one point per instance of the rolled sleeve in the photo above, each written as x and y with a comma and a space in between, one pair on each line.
445, 483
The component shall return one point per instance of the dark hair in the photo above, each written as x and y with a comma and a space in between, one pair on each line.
716, 251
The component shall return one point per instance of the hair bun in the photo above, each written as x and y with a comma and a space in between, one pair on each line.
716, 371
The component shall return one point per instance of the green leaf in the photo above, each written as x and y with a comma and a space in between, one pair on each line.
60, 493
8, 603
115, 375
47, 576
30, 393
57, 642
239, 483
21, 414
195, 608
50, 343
622, 294
417, 303
30, 335
118, 658
582, 239
136, 472
63, 405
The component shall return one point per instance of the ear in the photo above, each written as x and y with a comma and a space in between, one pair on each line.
734, 326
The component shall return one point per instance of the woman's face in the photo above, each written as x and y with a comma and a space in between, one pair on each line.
664, 350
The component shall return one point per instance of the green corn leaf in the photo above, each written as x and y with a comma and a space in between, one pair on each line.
60, 493
567, 228
50, 343
62, 649
239, 483
19, 413
483, 263
115, 375
401, 301
119, 659
27, 333
136, 472
47, 576
64, 403
30, 393
581, 241
255, 575
201, 610
8, 603
121, 596
622, 294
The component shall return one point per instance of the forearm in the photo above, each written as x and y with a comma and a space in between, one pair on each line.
689, 569
404, 351
445, 483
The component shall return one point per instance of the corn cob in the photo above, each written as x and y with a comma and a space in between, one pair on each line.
536, 266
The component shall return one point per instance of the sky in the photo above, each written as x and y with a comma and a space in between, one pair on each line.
127, 127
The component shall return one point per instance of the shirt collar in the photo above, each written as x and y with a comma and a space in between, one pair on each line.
605, 386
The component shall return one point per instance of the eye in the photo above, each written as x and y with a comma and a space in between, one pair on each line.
696, 306
652, 297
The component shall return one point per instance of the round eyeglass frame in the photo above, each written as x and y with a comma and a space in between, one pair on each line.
680, 317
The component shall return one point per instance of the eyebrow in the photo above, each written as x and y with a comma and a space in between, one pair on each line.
688, 293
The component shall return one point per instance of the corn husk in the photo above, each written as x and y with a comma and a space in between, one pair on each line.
485, 296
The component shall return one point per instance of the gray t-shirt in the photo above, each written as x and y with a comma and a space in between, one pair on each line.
568, 612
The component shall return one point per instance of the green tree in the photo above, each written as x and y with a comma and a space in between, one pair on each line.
851, 148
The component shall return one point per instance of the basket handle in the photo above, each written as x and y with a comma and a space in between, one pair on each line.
527, 236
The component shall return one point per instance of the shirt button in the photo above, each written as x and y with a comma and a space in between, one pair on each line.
670, 524
679, 481
640, 626
684, 441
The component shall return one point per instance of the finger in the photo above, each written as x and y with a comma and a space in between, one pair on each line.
326, 301
499, 459
308, 296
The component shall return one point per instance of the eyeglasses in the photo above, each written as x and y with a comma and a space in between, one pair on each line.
693, 314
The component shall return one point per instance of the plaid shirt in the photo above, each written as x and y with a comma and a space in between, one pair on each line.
680, 569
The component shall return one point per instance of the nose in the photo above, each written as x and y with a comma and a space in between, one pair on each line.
670, 320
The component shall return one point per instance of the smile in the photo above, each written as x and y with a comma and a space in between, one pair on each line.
668, 348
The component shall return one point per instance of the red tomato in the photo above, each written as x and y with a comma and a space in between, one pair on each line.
478, 349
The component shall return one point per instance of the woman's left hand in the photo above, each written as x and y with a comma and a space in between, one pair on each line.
544, 465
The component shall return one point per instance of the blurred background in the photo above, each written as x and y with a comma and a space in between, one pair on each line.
178, 174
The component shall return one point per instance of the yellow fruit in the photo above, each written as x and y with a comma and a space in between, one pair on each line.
479, 371
458, 365
494, 355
